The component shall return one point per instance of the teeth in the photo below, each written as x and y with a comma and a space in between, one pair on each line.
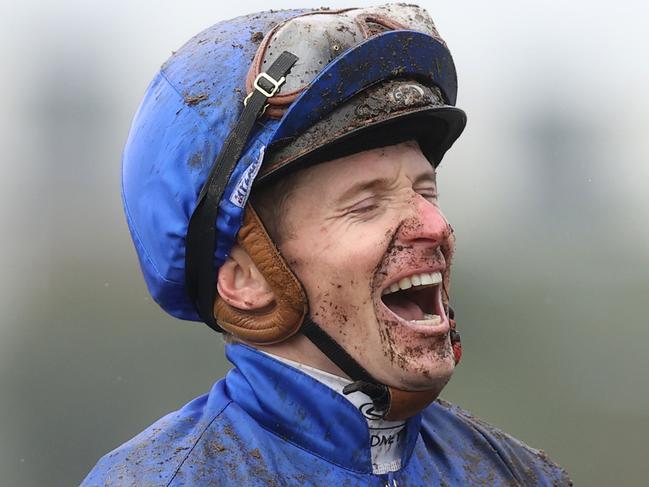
405, 283
426, 279
428, 319
423, 279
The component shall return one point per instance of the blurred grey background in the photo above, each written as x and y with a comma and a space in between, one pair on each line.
546, 191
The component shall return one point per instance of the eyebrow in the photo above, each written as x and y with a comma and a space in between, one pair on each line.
378, 185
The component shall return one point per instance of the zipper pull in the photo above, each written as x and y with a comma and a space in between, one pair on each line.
391, 482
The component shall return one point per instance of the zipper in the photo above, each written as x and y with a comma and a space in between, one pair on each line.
391, 481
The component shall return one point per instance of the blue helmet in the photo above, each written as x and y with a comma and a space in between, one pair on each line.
251, 98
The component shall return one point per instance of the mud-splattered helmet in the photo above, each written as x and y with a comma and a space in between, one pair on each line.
249, 100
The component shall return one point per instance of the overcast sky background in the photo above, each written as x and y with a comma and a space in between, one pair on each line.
547, 191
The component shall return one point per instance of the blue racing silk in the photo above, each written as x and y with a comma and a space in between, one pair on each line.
269, 424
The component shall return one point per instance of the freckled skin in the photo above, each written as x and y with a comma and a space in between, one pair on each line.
346, 252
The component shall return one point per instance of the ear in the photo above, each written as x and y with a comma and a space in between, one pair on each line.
241, 285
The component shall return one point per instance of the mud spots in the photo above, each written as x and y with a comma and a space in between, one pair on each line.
230, 432
214, 447
195, 161
391, 345
444, 353
387, 340
257, 37
410, 353
335, 315
414, 351
193, 100
475, 470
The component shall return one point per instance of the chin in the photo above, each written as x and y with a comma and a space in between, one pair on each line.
436, 379
430, 370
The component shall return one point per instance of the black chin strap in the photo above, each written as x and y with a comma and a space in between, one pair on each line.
363, 381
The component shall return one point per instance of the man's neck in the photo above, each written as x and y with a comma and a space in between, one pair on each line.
300, 349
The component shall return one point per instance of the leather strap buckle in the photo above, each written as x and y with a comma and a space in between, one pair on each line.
276, 84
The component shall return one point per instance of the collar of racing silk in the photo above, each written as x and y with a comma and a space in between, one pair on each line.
387, 438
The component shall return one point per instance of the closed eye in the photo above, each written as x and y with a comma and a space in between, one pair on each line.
365, 206
428, 193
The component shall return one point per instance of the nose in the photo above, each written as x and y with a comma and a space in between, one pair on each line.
427, 226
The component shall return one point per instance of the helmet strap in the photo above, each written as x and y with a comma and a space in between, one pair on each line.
200, 272
363, 381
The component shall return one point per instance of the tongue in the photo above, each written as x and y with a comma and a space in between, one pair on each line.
403, 307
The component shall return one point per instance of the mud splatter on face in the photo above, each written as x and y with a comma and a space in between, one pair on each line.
346, 253
395, 341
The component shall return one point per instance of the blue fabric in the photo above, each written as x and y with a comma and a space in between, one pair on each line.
400, 53
186, 114
268, 424
192, 105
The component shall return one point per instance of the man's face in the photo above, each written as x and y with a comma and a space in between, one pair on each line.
363, 226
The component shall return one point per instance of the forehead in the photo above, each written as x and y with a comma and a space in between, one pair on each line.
404, 160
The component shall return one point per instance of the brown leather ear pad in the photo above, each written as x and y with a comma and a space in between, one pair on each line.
284, 317
405, 404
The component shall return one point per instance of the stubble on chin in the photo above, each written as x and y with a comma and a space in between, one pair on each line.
414, 366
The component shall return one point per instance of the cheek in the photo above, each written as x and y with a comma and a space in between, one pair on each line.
337, 271
349, 250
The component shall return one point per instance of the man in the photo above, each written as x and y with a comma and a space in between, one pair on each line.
332, 282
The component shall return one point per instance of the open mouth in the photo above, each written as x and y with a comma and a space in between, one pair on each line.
417, 299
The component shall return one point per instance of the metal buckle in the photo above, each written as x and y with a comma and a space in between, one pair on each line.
276, 84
